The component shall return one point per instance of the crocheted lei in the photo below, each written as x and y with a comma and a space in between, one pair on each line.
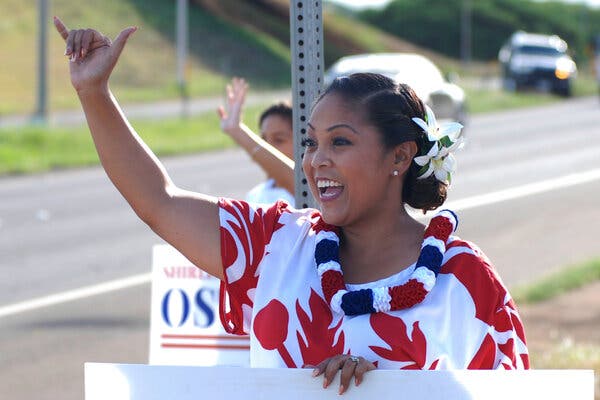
386, 298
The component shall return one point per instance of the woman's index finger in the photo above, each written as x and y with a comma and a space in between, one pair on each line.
61, 28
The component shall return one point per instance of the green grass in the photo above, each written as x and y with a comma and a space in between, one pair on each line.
371, 40
585, 85
563, 352
570, 355
147, 68
481, 100
251, 44
38, 148
563, 281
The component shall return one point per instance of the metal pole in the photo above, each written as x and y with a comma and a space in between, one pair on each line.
306, 44
182, 46
41, 112
465, 32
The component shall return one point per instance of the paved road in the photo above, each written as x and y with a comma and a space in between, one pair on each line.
60, 231
64, 230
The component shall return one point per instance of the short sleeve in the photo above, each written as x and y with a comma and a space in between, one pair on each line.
245, 231
509, 335
503, 344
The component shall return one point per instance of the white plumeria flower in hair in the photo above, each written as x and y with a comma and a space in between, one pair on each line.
430, 125
443, 168
434, 132
458, 144
445, 138
426, 160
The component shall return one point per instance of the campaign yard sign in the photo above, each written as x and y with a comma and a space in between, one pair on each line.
185, 328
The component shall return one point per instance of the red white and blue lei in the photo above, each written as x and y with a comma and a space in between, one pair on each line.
383, 299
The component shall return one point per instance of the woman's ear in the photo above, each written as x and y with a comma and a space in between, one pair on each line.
404, 154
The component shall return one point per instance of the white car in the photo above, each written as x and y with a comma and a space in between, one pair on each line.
446, 99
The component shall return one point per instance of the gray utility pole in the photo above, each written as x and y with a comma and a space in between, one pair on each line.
465, 32
182, 49
41, 112
306, 44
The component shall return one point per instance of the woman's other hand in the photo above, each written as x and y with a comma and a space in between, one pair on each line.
350, 366
93, 55
231, 115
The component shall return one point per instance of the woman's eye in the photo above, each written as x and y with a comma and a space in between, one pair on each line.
308, 142
338, 141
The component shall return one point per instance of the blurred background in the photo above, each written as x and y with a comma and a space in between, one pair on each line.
522, 75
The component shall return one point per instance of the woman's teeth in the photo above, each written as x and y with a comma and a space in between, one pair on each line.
329, 186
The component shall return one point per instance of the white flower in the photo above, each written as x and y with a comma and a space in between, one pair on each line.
434, 132
443, 168
430, 127
432, 153
444, 151
446, 138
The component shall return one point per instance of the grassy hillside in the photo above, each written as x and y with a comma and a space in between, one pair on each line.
227, 38
147, 67
343, 33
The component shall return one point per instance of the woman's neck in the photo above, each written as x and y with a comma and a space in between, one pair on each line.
379, 248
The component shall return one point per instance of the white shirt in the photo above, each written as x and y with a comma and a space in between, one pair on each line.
268, 193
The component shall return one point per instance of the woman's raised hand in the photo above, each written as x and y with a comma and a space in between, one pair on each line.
93, 55
231, 115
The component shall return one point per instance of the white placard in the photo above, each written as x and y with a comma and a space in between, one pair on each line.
185, 328
143, 382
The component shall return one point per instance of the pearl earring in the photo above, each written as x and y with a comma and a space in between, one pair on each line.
395, 173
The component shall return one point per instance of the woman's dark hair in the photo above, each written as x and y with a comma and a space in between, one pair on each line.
282, 109
390, 107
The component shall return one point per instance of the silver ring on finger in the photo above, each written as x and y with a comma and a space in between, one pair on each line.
354, 359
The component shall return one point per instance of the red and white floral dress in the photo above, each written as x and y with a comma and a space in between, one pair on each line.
467, 321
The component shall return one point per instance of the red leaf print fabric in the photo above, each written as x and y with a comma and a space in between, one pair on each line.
505, 343
480, 280
247, 229
509, 336
271, 325
320, 338
271, 329
486, 355
402, 348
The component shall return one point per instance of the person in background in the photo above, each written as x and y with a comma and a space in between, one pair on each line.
274, 146
355, 285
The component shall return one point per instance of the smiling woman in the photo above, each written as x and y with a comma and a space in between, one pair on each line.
354, 286
378, 271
